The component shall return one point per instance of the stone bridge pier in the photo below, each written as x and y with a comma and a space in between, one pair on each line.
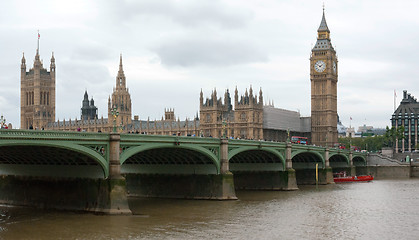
114, 195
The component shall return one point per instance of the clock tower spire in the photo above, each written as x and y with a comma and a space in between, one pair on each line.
324, 78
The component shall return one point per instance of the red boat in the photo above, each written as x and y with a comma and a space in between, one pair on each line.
341, 177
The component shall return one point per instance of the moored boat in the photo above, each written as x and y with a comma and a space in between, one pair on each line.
341, 177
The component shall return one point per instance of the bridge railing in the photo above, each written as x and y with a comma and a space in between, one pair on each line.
61, 135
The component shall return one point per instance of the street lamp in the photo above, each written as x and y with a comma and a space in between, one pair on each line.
115, 114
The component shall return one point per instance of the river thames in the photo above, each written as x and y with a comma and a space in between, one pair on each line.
382, 209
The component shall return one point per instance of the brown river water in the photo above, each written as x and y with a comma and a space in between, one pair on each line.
382, 209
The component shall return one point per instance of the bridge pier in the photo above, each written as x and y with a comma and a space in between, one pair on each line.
328, 171
291, 177
227, 179
112, 198
351, 164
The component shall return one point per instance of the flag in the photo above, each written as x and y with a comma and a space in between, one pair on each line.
395, 95
39, 35
350, 118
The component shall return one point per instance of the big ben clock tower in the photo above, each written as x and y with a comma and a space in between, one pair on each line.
324, 78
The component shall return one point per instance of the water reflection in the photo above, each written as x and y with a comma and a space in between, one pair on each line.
379, 210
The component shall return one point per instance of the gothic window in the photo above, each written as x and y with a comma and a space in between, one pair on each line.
243, 133
208, 118
243, 116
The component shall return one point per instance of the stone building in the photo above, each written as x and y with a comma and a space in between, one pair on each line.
121, 100
324, 78
37, 94
88, 109
218, 118
407, 115
168, 125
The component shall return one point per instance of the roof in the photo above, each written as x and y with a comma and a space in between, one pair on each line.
323, 24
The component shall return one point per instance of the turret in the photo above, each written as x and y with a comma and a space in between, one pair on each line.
23, 66
201, 98
260, 97
236, 97
214, 97
85, 102
251, 96
120, 78
52, 66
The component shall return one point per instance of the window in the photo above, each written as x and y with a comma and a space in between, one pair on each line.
243, 116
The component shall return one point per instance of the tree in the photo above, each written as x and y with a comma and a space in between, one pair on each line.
394, 134
372, 143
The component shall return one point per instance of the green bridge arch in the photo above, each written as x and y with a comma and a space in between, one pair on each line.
234, 152
132, 151
309, 151
102, 162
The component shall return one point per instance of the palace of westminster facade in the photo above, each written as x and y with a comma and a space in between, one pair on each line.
246, 118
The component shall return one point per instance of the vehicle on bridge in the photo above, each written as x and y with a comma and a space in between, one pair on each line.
299, 140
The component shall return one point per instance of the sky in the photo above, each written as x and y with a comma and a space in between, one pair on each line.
172, 49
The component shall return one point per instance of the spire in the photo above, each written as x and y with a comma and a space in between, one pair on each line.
323, 24
120, 79
23, 66
201, 98
236, 97
323, 36
52, 65
120, 63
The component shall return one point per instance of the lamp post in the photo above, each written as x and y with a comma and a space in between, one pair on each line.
115, 114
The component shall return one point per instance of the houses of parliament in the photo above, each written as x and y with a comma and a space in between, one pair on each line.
244, 116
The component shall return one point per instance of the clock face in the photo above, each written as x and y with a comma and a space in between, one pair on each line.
320, 66
334, 66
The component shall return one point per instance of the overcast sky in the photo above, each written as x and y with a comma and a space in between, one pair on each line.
174, 48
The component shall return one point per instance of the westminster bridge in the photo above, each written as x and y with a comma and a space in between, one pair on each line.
97, 171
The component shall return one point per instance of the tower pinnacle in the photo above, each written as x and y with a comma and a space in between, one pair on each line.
120, 79
323, 24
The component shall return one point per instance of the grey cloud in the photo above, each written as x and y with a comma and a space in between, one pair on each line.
190, 52
92, 52
186, 13
83, 74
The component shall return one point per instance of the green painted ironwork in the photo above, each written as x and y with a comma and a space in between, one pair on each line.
206, 151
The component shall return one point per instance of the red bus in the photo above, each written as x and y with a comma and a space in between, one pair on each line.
299, 140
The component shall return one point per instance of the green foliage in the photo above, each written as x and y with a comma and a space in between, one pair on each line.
392, 134
372, 143
375, 143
